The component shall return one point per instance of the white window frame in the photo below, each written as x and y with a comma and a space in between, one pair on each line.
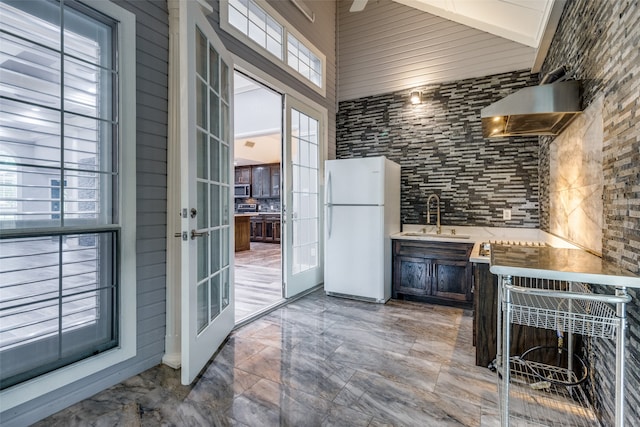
282, 63
47, 383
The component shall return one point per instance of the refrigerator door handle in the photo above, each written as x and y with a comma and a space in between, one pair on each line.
329, 190
329, 206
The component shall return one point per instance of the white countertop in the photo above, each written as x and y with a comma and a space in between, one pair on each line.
560, 260
477, 235
559, 264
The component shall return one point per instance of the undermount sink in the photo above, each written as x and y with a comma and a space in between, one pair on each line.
441, 235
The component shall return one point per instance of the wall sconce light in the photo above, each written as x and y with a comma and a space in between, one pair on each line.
415, 97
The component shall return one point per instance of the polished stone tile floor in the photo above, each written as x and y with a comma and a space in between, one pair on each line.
319, 361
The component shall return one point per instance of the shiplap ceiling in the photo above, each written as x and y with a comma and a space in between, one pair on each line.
522, 21
394, 45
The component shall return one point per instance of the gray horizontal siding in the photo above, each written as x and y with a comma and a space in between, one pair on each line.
390, 47
151, 141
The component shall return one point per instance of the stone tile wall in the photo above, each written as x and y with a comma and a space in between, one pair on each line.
440, 147
600, 42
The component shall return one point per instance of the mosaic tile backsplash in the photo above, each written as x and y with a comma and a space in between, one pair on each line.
440, 147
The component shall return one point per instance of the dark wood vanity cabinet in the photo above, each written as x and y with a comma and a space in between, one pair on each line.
430, 271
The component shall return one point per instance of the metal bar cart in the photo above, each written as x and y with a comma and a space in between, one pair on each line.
549, 288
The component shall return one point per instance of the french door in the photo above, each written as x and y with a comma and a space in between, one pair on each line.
206, 154
302, 220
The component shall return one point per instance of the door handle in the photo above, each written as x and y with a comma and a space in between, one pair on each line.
328, 190
195, 234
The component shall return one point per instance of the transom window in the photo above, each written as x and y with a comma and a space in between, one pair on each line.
260, 27
59, 216
305, 62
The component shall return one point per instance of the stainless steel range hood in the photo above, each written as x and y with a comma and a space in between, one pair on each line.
536, 110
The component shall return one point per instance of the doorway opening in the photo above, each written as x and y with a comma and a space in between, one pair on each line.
257, 189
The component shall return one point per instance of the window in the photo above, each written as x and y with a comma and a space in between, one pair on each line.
301, 59
61, 249
260, 27
254, 22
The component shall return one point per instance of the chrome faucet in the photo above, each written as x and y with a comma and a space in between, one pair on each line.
438, 227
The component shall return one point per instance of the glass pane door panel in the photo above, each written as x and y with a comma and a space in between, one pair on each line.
215, 160
224, 165
225, 288
214, 77
202, 214
215, 251
304, 150
214, 111
224, 201
215, 205
203, 258
201, 103
224, 82
212, 187
214, 309
202, 148
201, 54
203, 299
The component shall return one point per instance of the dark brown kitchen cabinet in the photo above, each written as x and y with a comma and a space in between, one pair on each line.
275, 180
429, 271
265, 181
272, 228
260, 181
243, 175
265, 228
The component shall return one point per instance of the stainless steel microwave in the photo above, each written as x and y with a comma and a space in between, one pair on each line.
242, 190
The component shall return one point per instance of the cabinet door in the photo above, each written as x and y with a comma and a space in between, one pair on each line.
243, 175
276, 231
257, 229
268, 231
452, 280
275, 180
412, 276
260, 181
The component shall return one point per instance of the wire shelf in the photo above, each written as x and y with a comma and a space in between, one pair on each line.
578, 316
540, 403
530, 397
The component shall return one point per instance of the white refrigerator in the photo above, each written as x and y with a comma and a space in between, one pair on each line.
362, 209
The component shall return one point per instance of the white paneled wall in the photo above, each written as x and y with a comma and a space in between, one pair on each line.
390, 47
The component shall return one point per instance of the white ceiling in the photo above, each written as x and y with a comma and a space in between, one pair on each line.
258, 137
396, 45
522, 21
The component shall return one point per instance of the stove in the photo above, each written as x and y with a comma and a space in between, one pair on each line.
247, 207
485, 247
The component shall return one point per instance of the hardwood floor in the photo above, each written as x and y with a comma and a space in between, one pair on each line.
258, 280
